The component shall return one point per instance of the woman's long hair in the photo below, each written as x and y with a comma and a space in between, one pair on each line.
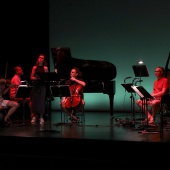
44, 63
78, 71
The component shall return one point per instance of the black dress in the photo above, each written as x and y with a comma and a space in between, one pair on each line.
38, 93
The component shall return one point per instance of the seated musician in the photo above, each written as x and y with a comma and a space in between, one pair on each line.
160, 87
72, 105
12, 105
16, 81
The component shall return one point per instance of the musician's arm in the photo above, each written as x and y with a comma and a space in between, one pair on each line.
162, 92
46, 69
33, 75
5, 90
81, 82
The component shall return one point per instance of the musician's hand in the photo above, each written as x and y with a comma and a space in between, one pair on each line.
55, 70
37, 77
63, 101
72, 78
12, 85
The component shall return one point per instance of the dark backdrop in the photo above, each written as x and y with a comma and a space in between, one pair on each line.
24, 35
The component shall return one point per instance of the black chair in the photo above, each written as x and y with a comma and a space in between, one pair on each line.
164, 113
80, 114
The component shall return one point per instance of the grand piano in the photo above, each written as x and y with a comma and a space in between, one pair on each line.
98, 75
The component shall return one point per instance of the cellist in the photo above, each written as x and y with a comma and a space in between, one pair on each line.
73, 104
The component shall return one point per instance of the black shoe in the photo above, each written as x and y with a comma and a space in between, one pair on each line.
7, 123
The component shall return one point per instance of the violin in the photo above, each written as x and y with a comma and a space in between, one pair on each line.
75, 100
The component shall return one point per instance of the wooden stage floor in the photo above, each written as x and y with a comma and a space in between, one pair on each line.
100, 139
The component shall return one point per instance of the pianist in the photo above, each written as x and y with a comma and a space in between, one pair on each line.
73, 104
16, 81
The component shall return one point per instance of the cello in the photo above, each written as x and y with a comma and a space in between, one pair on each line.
75, 100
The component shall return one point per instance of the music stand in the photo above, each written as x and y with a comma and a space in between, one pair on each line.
61, 91
129, 89
140, 71
23, 91
142, 92
48, 76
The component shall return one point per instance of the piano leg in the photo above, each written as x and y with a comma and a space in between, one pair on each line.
111, 98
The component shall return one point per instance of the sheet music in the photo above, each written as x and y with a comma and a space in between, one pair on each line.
23, 86
60, 90
142, 92
23, 91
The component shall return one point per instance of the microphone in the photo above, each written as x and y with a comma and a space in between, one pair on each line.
126, 78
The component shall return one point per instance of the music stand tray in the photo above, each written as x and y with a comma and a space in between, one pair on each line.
23, 91
60, 91
142, 92
128, 87
48, 76
140, 71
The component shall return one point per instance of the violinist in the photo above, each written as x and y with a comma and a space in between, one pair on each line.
72, 105
12, 105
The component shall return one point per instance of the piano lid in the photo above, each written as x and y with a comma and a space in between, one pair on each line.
91, 69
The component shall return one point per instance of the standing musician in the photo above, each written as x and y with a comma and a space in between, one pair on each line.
12, 105
38, 92
71, 105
